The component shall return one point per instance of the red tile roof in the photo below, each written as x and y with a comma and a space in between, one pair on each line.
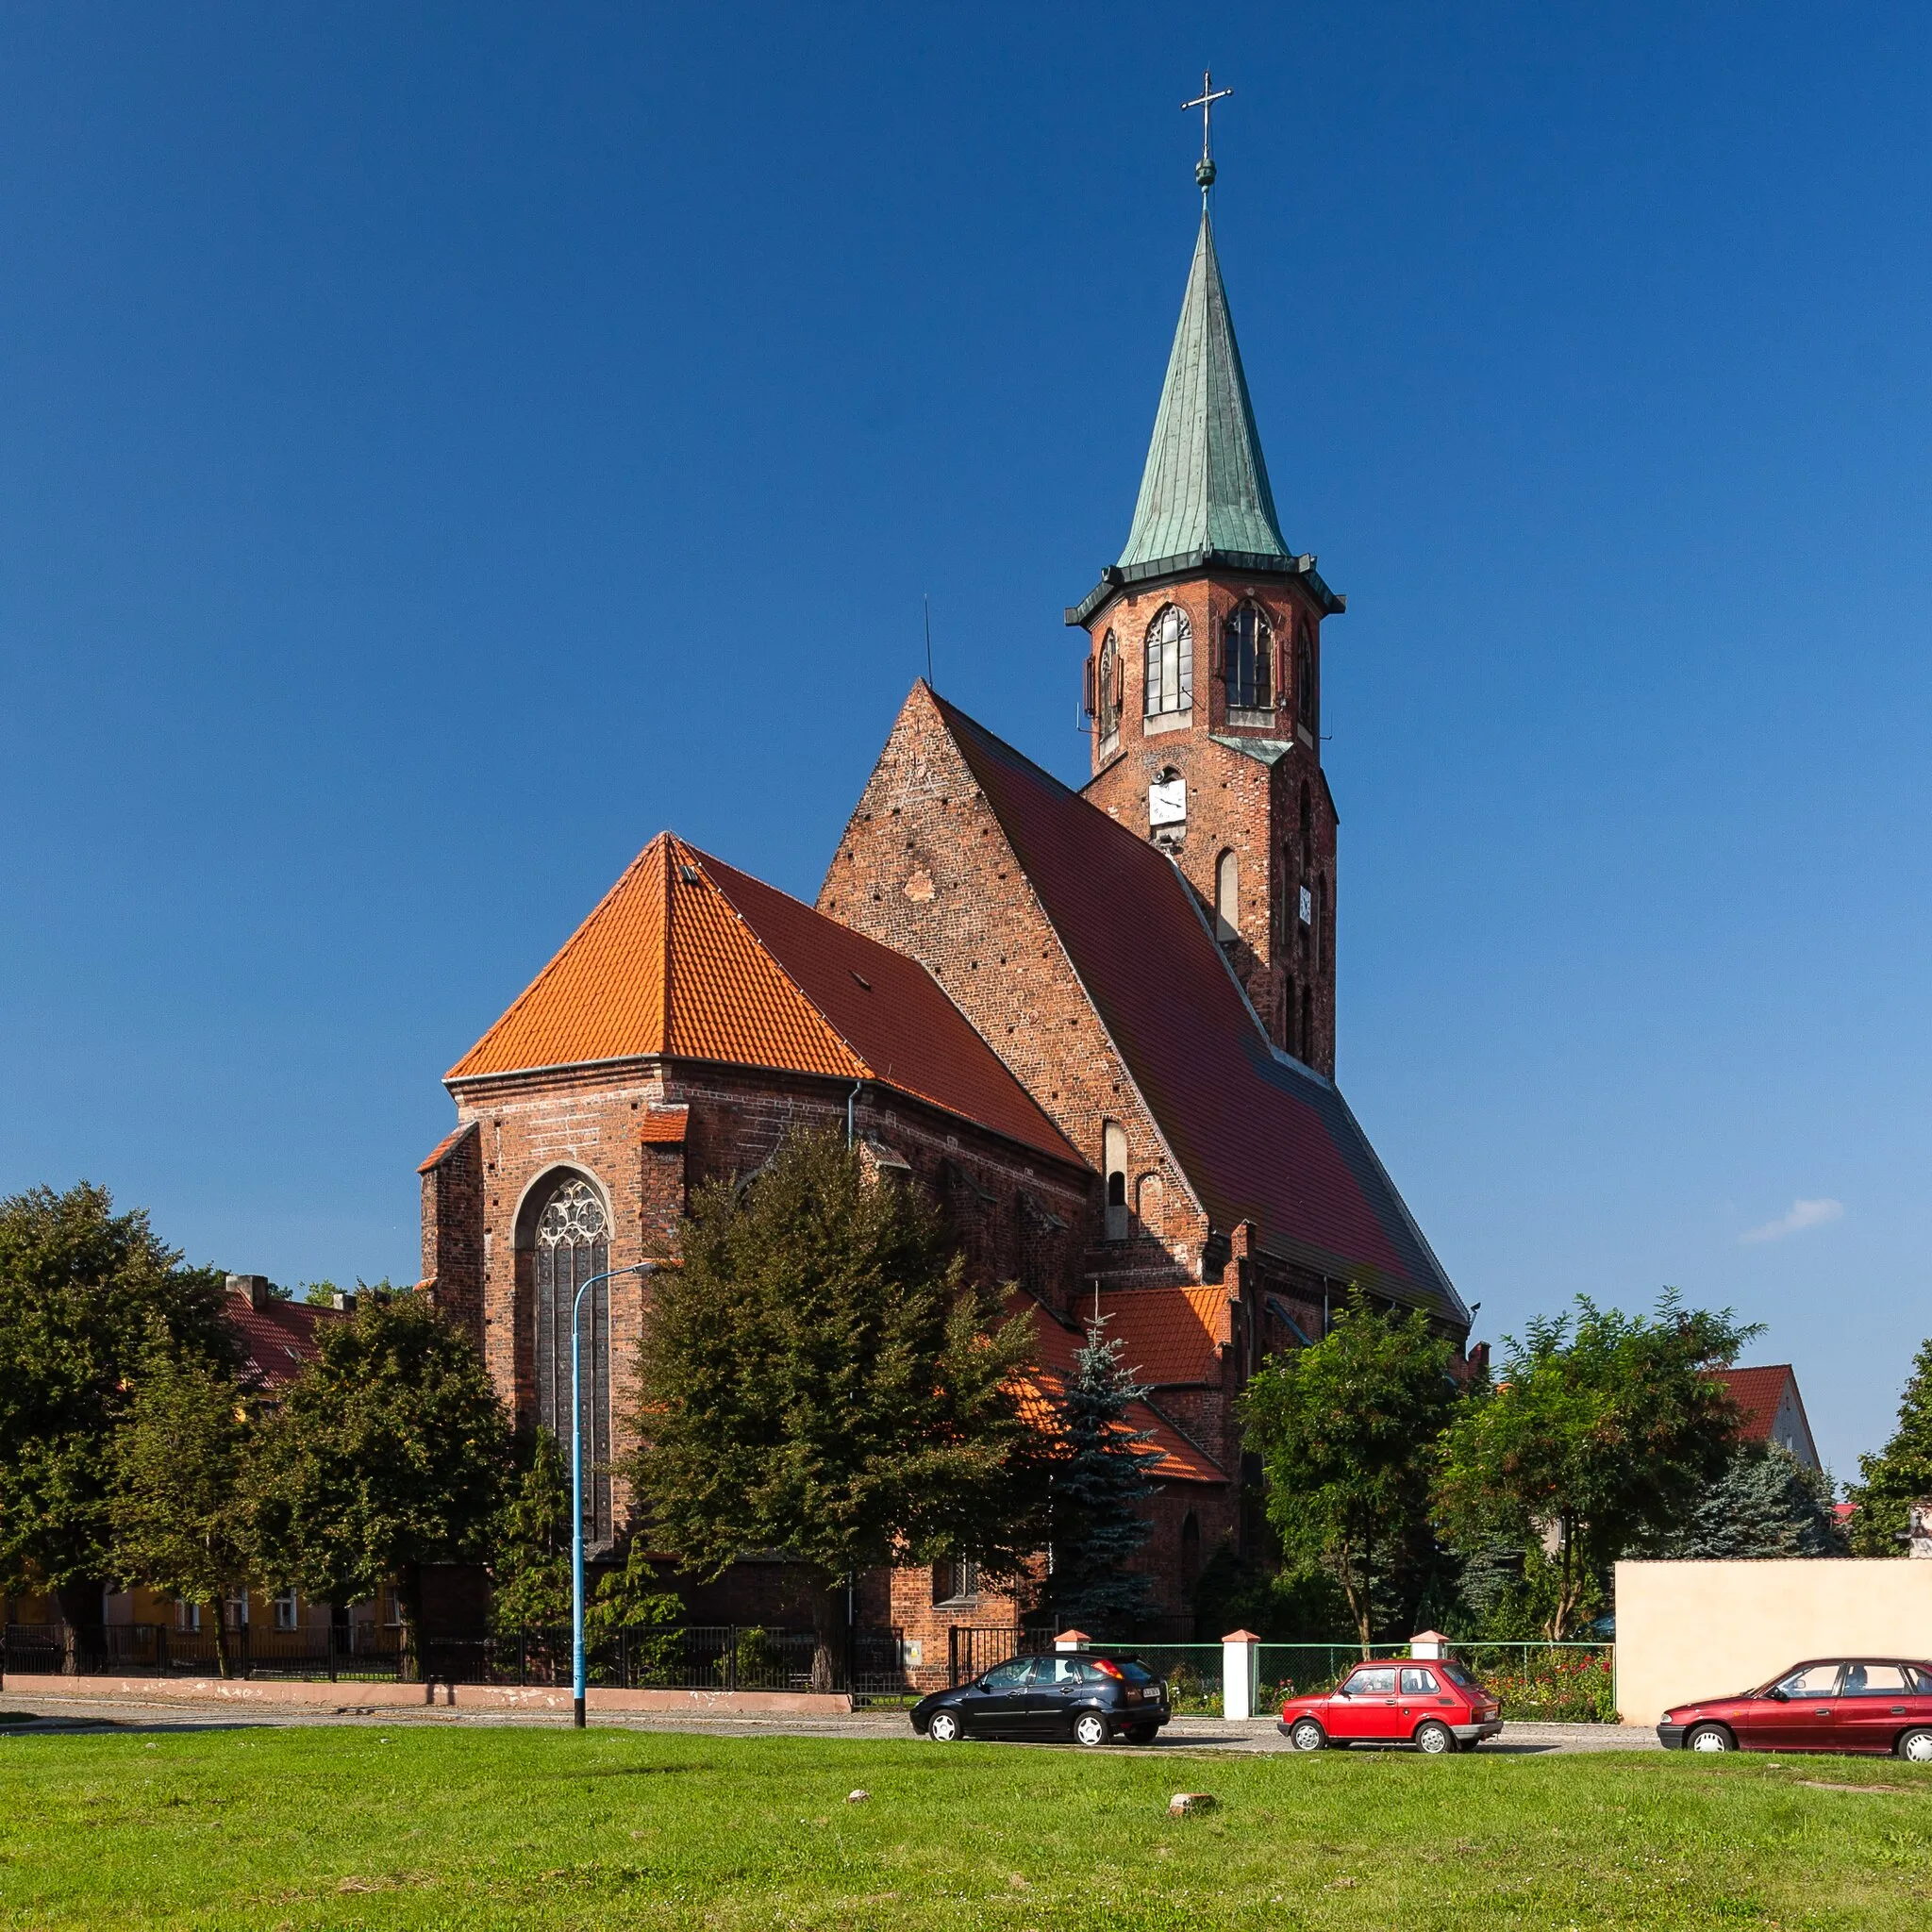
276, 1340
665, 1127
1258, 1136
1041, 1393
1757, 1393
1173, 1335
688, 958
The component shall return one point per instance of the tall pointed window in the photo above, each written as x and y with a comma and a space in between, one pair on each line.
1248, 652
1113, 1165
1106, 696
1307, 703
572, 1247
1170, 684
1228, 897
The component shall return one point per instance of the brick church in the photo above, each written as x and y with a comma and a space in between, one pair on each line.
1098, 1026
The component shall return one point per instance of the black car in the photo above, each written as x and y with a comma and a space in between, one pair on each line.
1091, 1697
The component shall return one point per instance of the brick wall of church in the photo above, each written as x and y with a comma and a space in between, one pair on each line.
924, 866
1236, 803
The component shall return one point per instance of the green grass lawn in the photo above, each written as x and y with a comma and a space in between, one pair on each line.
425, 1826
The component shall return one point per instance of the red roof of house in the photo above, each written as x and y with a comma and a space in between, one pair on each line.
1258, 1136
1757, 1393
688, 958
277, 1339
1040, 1394
1173, 1335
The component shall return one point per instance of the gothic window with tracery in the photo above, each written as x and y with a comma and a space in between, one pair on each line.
572, 1247
1170, 684
1108, 695
1248, 651
1308, 709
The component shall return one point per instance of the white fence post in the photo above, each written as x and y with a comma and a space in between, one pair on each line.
1428, 1643
1070, 1639
1240, 1652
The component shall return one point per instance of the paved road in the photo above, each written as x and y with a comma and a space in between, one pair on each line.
74, 1714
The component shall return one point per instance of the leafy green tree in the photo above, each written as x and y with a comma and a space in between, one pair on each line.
1900, 1474
83, 1292
530, 1570
1764, 1502
179, 1504
631, 1602
389, 1451
819, 1378
1100, 1486
1602, 1432
1346, 1431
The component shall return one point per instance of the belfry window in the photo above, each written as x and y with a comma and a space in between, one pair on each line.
1170, 684
1106, 696
1308, 707
1248, 650
1228, 897
572, 1247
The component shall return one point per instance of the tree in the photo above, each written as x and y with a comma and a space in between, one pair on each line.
179, 1504
1345, 1430
530, 1569
1100, 1481
83, 1292
1900, 1474
819, 1378
1764, 1502
1602, 1432
390, 1450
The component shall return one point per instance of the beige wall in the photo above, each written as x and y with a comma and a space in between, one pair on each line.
1689, 1630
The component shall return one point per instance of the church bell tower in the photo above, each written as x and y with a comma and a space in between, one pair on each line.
1204, 680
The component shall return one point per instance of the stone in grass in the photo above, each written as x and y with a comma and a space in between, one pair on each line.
1182, 1803
856, 1797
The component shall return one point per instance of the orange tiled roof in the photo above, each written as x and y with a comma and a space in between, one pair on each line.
1040, 1394
1757, 1393
277, 1341
687, 958
1172, 1334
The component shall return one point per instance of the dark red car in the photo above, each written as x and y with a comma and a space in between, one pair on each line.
1432, 1702
1877, 1704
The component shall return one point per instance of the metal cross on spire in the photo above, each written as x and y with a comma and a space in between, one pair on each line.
1203, 169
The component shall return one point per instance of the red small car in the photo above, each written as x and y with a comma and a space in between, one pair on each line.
1431, 1703
1866, 1703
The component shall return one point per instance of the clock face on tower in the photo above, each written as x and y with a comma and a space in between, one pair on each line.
1167, 802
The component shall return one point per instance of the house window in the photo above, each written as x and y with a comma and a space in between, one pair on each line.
1228, 897
1113, 1165
1248, 652
286, 1609
1169, 683
187, 1616
1106, 696
572, 1247
1308, 710
954, 1581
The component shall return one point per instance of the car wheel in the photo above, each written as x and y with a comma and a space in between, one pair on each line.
1090, 1729
1915, 1747
1141, 1734
1710, 1738
1307, 1735
942, 1727
1433, 1741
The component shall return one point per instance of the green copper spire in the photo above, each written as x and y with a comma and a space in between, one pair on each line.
1206, 485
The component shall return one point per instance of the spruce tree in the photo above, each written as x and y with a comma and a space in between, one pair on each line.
1765, 1503
530, 1570
1101, 1482
1900, 1474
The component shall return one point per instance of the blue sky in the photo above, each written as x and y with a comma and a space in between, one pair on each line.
441, 446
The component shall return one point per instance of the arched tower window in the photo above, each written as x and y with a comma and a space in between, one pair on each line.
1106, 706
1248, 652
1228, 897
1113, 1166
572, 1246
1308, 707
1170, 684
1151, 1203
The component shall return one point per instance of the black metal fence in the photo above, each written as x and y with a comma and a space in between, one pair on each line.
719, 1656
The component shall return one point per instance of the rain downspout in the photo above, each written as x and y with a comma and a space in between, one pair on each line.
851, 1101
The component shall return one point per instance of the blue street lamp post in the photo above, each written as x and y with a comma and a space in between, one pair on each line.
578, 1670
